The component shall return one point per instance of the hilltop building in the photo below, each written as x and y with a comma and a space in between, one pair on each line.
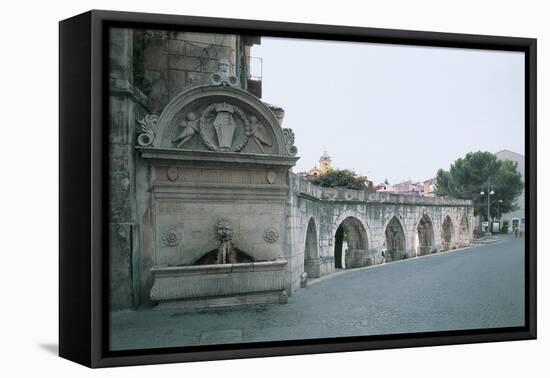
429, 187
325, 162
424, 188
409, 187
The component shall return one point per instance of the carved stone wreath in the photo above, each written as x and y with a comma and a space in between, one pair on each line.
271, 235
228, 127
172, 237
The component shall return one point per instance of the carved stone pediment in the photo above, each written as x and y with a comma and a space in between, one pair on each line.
222, 119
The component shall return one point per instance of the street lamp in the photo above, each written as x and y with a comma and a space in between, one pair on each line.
491, 193
498, 208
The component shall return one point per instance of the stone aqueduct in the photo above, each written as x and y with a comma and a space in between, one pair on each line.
331, 228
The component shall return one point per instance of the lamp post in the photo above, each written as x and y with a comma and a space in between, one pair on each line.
490, 192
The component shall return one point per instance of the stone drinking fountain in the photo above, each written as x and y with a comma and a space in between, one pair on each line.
226, 282
215, 169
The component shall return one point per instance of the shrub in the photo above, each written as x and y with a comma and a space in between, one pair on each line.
342, 178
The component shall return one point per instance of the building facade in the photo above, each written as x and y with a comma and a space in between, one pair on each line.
409, 187
515, 218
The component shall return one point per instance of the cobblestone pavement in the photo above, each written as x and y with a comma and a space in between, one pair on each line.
477, 287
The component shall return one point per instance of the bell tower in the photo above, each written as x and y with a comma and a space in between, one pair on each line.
325, 161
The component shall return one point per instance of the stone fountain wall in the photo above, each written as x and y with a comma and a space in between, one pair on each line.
215, 153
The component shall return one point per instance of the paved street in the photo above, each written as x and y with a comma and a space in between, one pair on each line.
477, 287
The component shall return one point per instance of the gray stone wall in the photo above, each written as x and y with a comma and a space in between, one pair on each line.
124, 109
168, 63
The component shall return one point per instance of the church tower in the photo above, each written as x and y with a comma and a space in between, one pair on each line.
325, 161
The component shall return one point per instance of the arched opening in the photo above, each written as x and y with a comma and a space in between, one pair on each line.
425, 234
447, 233
464, 230
311, 251
340, 241
395, 240
350, 235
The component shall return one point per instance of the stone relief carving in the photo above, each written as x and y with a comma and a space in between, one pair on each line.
172, 237
271, 235
332, 193
190, 127
289, 142
224, 127
147, 127
271, 176
226, 251
173, 173
223, 76
224, 230
257, 134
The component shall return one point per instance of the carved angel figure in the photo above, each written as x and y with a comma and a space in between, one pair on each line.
256, 132
190, 127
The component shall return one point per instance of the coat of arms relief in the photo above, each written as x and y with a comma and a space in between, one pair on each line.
223, 127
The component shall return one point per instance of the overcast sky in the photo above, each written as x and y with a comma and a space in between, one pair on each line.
391, 111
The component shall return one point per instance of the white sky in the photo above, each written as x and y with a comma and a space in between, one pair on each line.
392, 111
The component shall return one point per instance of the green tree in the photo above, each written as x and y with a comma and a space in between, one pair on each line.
468, 176
342, 178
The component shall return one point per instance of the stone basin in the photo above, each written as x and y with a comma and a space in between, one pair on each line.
219, 285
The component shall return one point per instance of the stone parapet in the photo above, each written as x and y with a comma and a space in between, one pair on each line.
306, 189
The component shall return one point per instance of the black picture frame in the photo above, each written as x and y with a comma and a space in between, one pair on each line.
83, 181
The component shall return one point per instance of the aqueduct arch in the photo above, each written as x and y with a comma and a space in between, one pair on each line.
447, 234
311, 250
395, 246
464, 231
424, 235
350, 236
